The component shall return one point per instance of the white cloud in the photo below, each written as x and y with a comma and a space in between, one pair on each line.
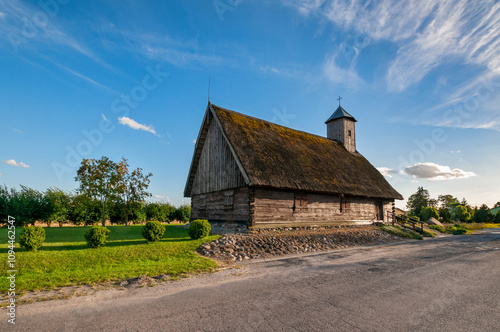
455, 151
433, 171
427, 33
1, 174
104, 117
386, 171
336, 74
162, 197
12, 162
17, 130
194, 141
135, 125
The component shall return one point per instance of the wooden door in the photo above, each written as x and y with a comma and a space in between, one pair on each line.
379, 206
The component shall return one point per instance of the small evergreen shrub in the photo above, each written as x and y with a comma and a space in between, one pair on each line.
32, 237
457, 230
199, 228
97, 236
153, 231
438, 228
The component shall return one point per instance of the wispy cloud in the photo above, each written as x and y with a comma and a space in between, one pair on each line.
336, 74
137, 126
428, 33
17, 130
12, 162
431, 171
16, 14
162, 197
104, 117
386, 171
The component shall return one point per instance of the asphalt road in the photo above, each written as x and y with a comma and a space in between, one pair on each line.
445, 284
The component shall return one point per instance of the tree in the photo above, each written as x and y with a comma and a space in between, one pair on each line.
445, 214
497, 205
446, 201
461, 213
4, 204
99, 179
464, 203
183, 213
427, 213
483, 215
84, 210
418, 201
28, 205
497, 218
59, 205
132, 187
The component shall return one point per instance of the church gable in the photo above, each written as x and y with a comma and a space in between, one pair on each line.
214, 167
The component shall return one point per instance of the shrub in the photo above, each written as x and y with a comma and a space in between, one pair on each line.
153, 231
199, 228
428, 212
401, 231
457, 230
97, 236
497, 218
445, 215
483, 215
183, 213
32, 237
461, 213
438, 228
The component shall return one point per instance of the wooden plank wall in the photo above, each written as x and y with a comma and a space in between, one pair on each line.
272, 206
217, 169
216, 210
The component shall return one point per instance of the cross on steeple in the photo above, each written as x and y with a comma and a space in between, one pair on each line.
339, 99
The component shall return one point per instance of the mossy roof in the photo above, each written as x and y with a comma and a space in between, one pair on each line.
280, 157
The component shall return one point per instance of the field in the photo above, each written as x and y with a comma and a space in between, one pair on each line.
66, 260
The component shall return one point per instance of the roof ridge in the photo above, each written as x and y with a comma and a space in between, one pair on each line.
276, 124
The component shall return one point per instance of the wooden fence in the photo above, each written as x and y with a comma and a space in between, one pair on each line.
406, 221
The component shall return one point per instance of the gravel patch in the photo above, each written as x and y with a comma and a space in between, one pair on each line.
277, 242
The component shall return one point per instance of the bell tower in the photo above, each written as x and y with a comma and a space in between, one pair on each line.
341, 127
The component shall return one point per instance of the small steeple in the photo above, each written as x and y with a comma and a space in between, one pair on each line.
341, 127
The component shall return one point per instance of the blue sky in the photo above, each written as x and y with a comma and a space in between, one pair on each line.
83, 79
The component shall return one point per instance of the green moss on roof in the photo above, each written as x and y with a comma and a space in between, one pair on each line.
281, 157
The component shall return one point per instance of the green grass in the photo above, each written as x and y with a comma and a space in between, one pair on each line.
438, 228
401, 231
477, 226
66, 260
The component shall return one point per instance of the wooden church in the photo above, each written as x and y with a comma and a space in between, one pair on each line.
253, 171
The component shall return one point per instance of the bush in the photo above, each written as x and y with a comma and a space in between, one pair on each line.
497, 218
483, 215
438, 228
457, 230
153, 231
183, 213
32, 237
428, 212
199, 228
445, 215
97, 236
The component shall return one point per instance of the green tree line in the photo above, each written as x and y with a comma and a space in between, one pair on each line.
448, 208
54, 205
107, 191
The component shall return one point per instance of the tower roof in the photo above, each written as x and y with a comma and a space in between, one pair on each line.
340, 113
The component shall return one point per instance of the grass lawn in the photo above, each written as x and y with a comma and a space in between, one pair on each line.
66, 260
